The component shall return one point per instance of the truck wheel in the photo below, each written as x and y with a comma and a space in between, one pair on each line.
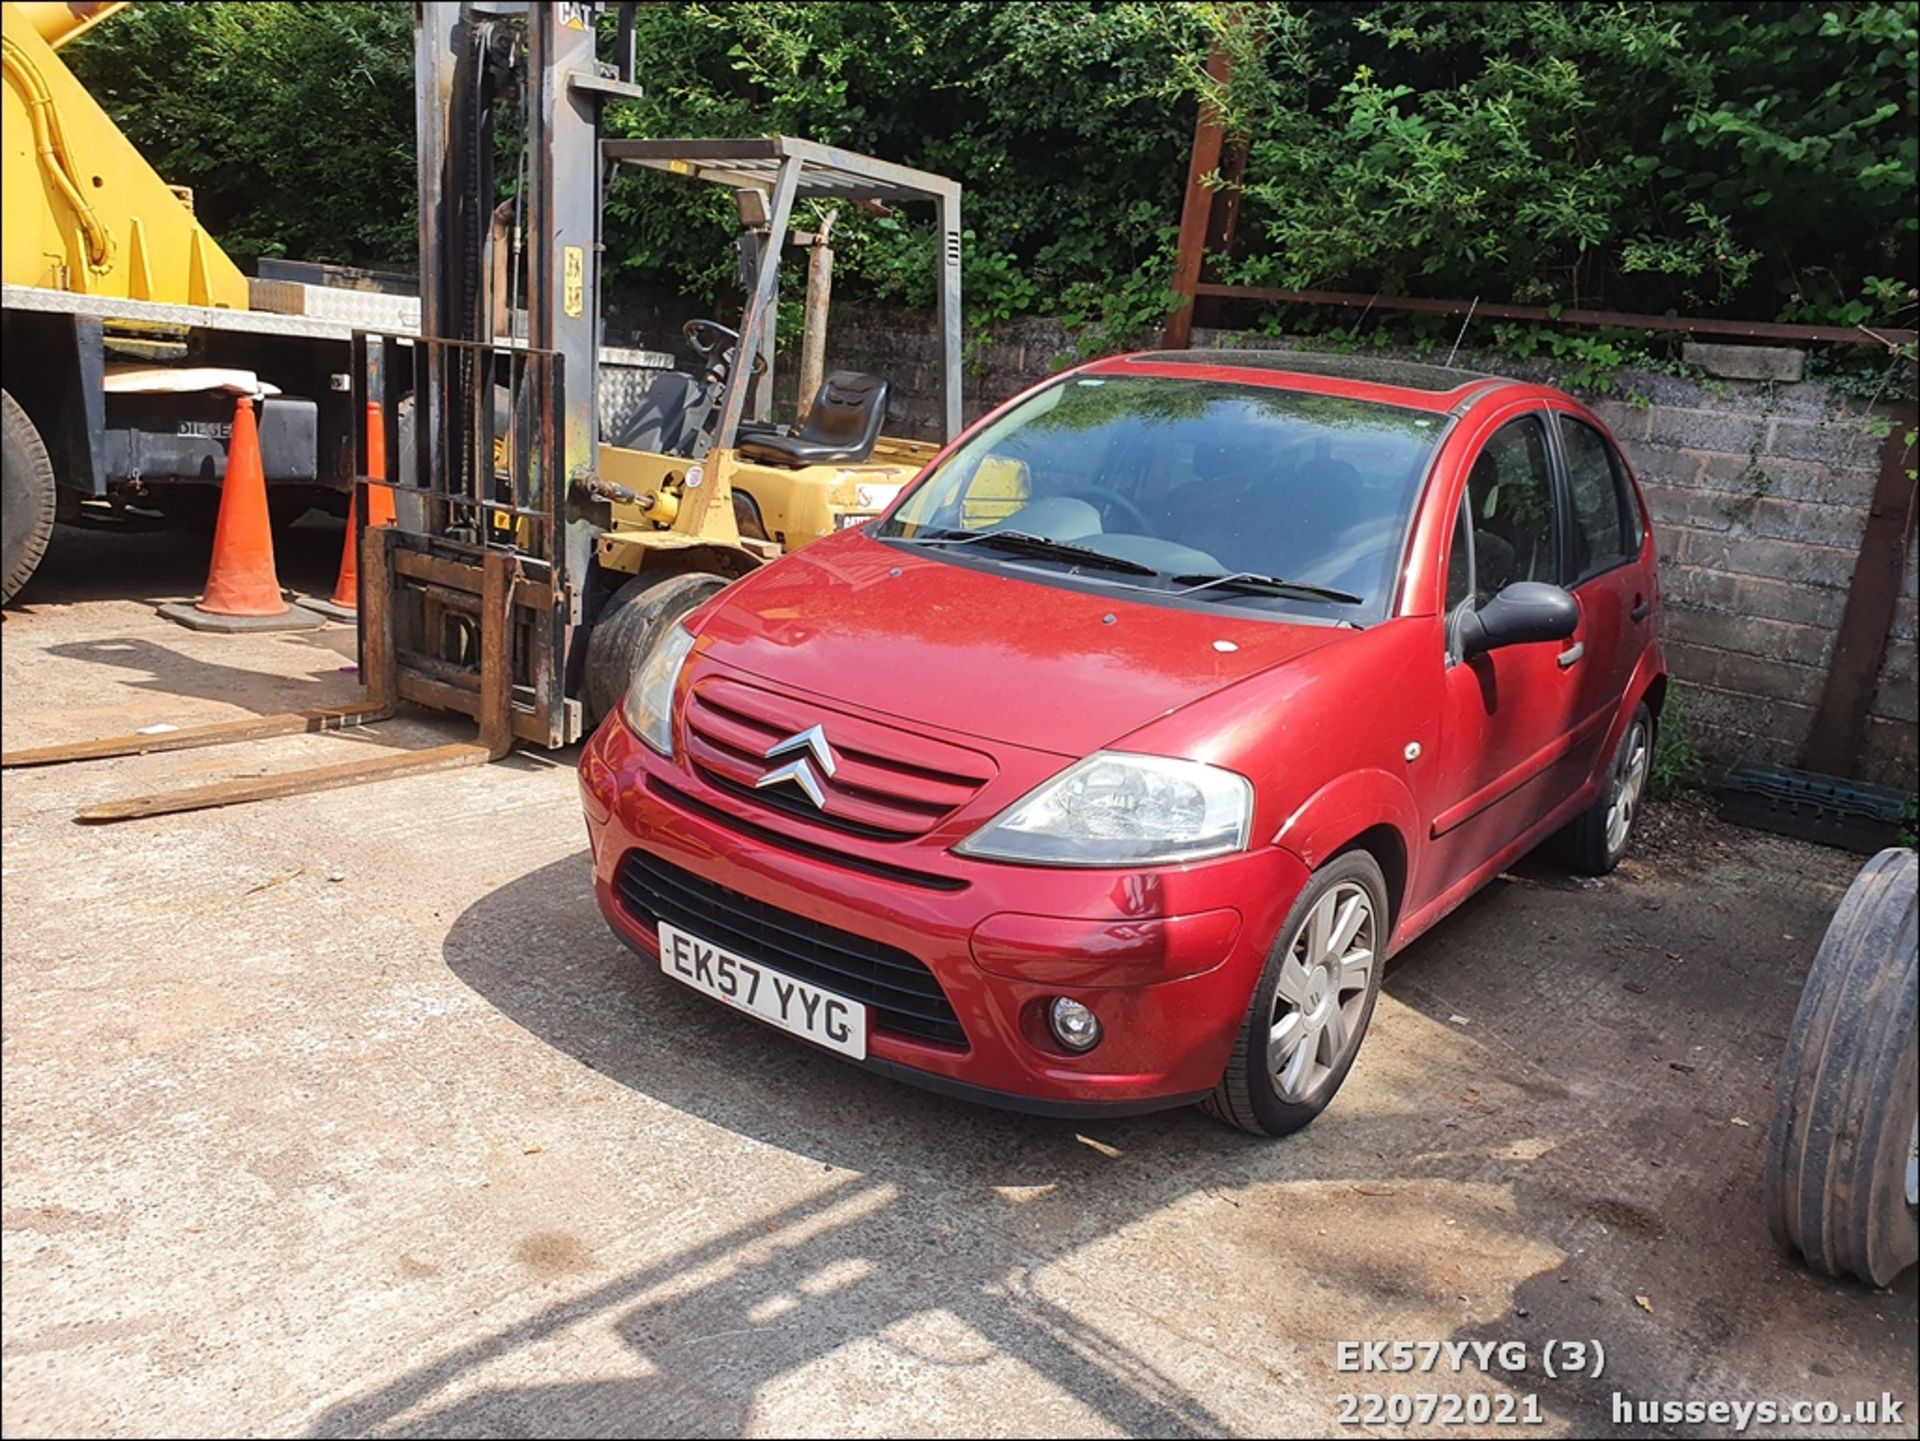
26, 477
637, 615
1840, 1157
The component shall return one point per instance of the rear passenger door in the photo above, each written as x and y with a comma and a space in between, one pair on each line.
1601, 538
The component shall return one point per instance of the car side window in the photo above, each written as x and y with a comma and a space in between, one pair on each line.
1460, 601
1605, 521
1460, 561
1511, 506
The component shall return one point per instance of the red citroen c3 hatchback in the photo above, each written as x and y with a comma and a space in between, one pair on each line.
1105, 770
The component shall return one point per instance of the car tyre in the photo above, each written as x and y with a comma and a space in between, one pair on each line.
1595, 840
1311, 1007
635, 617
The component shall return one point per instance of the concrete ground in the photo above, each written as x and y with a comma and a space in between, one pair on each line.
345, 1114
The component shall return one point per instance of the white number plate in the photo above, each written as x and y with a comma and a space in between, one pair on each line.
791, 1004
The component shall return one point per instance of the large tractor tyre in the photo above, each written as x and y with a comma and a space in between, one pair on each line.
26, 478
637, 615
1841, 1156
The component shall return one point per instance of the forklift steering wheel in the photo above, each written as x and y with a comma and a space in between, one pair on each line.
709, 337
716, 344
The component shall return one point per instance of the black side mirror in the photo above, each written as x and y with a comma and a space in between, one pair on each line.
1527, 610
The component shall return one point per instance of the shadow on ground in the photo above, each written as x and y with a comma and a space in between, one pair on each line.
142, 559
1571, 1060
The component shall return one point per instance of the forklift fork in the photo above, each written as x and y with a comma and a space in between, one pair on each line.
493, 709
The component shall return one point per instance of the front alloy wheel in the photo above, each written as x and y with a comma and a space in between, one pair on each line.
1311, 1007
1323, 991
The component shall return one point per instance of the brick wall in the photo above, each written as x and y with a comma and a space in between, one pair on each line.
1759, 498
1759, 494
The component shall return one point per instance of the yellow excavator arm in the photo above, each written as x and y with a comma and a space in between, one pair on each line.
58, 23
83, 210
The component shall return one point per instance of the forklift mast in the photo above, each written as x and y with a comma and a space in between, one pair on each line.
472, 61
492, 447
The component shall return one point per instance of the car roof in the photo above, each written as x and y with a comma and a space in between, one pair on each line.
1406, 383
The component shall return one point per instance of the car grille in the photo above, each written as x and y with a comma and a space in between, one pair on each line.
901, 992
888, 784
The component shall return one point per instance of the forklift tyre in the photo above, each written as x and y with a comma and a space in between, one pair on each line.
629, 624
26, 521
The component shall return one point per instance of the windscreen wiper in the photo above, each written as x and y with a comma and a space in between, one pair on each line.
1025, 542
1254, 583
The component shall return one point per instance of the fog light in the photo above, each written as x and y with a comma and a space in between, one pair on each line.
1074, 1026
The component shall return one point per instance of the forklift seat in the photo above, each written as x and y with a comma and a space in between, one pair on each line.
842, 426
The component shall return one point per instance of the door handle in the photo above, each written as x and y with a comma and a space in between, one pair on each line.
1640, 607
1571, 654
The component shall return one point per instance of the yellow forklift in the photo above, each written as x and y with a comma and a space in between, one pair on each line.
538, 550
696, 487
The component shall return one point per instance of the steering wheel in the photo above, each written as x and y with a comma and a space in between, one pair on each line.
716, 344
1100, 497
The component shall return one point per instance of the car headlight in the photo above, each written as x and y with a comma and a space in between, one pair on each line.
648, 708
1116, 809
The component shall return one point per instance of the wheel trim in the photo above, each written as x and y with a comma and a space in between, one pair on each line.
1626, 784
1320, 1001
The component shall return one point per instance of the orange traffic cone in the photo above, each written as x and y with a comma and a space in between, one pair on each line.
243, 590
345, 603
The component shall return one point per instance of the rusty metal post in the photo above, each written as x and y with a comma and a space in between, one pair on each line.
813, 336
1839, 727
1196, 214
1224, 218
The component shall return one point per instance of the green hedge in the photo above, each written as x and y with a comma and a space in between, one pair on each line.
1755, 160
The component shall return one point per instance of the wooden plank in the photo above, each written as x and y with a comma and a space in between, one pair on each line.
1840, 722
1496, 310
290, 783
288, 723
1196, 211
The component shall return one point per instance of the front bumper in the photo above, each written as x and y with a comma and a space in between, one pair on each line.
1166, 957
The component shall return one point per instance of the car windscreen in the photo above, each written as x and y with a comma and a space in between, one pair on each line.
1285, 500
